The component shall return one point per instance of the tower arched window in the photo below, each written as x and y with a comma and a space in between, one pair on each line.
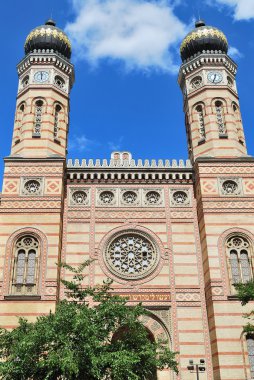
220, 118
38, 118
201, 122
250, 349
239, 255
56, 121
238, 124
20, 117
25, 268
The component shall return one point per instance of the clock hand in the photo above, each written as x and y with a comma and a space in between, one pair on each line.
214, 78
41, 75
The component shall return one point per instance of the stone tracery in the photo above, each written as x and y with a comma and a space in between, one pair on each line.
131, 255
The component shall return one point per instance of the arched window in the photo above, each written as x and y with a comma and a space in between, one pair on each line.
38, 118
220, 118
56, 121
250, 348
25, 81
20, 116
25, 269
239, 255
201, 122
238, 124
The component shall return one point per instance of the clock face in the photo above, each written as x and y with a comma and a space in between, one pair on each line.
41, 76
214, 77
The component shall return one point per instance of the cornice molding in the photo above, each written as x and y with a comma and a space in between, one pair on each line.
205, 59
46, 58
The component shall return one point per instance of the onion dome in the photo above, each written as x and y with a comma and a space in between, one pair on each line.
48, 37
203, 39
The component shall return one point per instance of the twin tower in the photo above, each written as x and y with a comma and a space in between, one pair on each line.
206, 77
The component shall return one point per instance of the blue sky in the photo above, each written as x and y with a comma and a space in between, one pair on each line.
126, 57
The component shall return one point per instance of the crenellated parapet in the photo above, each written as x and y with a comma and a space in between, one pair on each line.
132, 164
125, 170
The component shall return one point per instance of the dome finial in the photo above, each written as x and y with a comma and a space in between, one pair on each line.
50, 21
203, 39
48, 38
199, 23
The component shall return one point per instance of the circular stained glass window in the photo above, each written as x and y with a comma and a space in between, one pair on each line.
131, 255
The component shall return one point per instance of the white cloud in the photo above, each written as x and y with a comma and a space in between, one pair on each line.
81, 143
142, 34
234, 52
115, 145
243, 9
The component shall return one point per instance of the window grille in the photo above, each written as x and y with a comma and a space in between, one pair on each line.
220, 118
38, 118
201, 122
238, 124
250, 348
56, 121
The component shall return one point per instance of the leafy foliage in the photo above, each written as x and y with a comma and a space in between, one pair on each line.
92, 335
245, 292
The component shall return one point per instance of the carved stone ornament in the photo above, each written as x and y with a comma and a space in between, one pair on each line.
196, 82
230, 186
106, 197
180, 198
32, 186
79, 196
130, 197
131, 255
153, 197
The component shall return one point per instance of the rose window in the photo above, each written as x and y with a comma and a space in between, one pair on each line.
180, 197
32, 186
106, 197
79, 197
153, 197
130, 197
230, 187
27, 242
131, 256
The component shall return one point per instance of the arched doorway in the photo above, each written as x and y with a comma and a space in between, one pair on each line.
121, 333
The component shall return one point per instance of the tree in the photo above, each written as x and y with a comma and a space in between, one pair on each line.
84, 340
245, 292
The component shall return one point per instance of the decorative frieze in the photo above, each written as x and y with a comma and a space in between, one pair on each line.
129, 197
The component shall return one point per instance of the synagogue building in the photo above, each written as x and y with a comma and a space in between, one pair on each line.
172, 234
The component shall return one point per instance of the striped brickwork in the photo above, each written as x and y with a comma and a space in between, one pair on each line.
219, 216
175, 291
24, 143
39, 216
